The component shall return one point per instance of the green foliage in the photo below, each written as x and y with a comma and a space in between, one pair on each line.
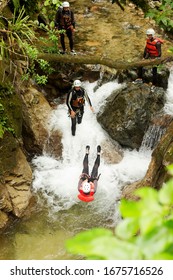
50, 43
32, 53
30, 6
49, 9
145, 231
4, 123
41, 80
163, 15
20, 40
10, 111
20, 30
16, 4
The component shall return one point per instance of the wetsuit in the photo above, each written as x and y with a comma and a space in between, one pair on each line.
152, 50
64, 20
75, 102
85, 172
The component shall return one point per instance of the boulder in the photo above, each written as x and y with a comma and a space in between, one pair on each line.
36, 112
127, 113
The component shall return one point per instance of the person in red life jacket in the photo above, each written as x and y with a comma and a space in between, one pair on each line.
64, 21
75, 102
87, 185
152, 51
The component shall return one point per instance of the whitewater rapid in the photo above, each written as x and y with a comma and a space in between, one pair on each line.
57, 180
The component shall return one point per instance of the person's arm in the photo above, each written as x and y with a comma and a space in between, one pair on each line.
146, 54
68, 103
158, 46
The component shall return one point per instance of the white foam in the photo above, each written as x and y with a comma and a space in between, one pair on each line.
168, 108
58, 180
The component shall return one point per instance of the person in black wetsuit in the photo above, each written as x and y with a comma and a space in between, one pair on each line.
64, 20
75, 103
87, 185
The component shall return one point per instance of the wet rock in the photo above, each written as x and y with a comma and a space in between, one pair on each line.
18, 183
128, 112
157, 173
36, 112
161, 157
112, 152
3, 219
15, 185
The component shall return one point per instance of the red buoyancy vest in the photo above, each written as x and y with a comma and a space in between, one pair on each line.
151, 46
87, 197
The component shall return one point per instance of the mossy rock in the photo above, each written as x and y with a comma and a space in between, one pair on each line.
11, 110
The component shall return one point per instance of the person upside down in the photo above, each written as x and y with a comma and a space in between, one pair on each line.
87, 185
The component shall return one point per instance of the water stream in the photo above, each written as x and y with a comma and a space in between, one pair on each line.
60, 214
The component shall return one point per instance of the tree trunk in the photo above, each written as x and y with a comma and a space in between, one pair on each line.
119, 65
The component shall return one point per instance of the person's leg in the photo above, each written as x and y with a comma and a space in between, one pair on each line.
85, 161
140, 73
85, 172
70, 37
154, 72
62, 41
94, 173
80, 115
73, 126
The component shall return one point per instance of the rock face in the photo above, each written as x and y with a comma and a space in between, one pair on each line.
128, 112
162, 156
15, 171
36, 112
157, 174
18, 184
15, 184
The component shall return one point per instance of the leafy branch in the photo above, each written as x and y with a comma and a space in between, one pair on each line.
163, 15
145, 232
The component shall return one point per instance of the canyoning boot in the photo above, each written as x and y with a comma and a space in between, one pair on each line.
73, 52
87, 150
63, 52
98, 150
138, 81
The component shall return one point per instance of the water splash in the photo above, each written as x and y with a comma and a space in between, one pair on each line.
168, 108
57, 180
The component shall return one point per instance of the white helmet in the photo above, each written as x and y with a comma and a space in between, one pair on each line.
77, 83
150, 31
65, 4
86, 187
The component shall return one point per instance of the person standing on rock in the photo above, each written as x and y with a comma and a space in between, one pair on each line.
87, 185
75, 102
152, 51
65, 22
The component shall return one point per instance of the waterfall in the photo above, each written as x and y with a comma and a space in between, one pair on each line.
168, 108
62, 215
158, 127
57, 180
152, 136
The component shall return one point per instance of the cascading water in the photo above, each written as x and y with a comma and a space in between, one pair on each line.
168, 108
58, 179
60, 214
155, 131
152, 136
